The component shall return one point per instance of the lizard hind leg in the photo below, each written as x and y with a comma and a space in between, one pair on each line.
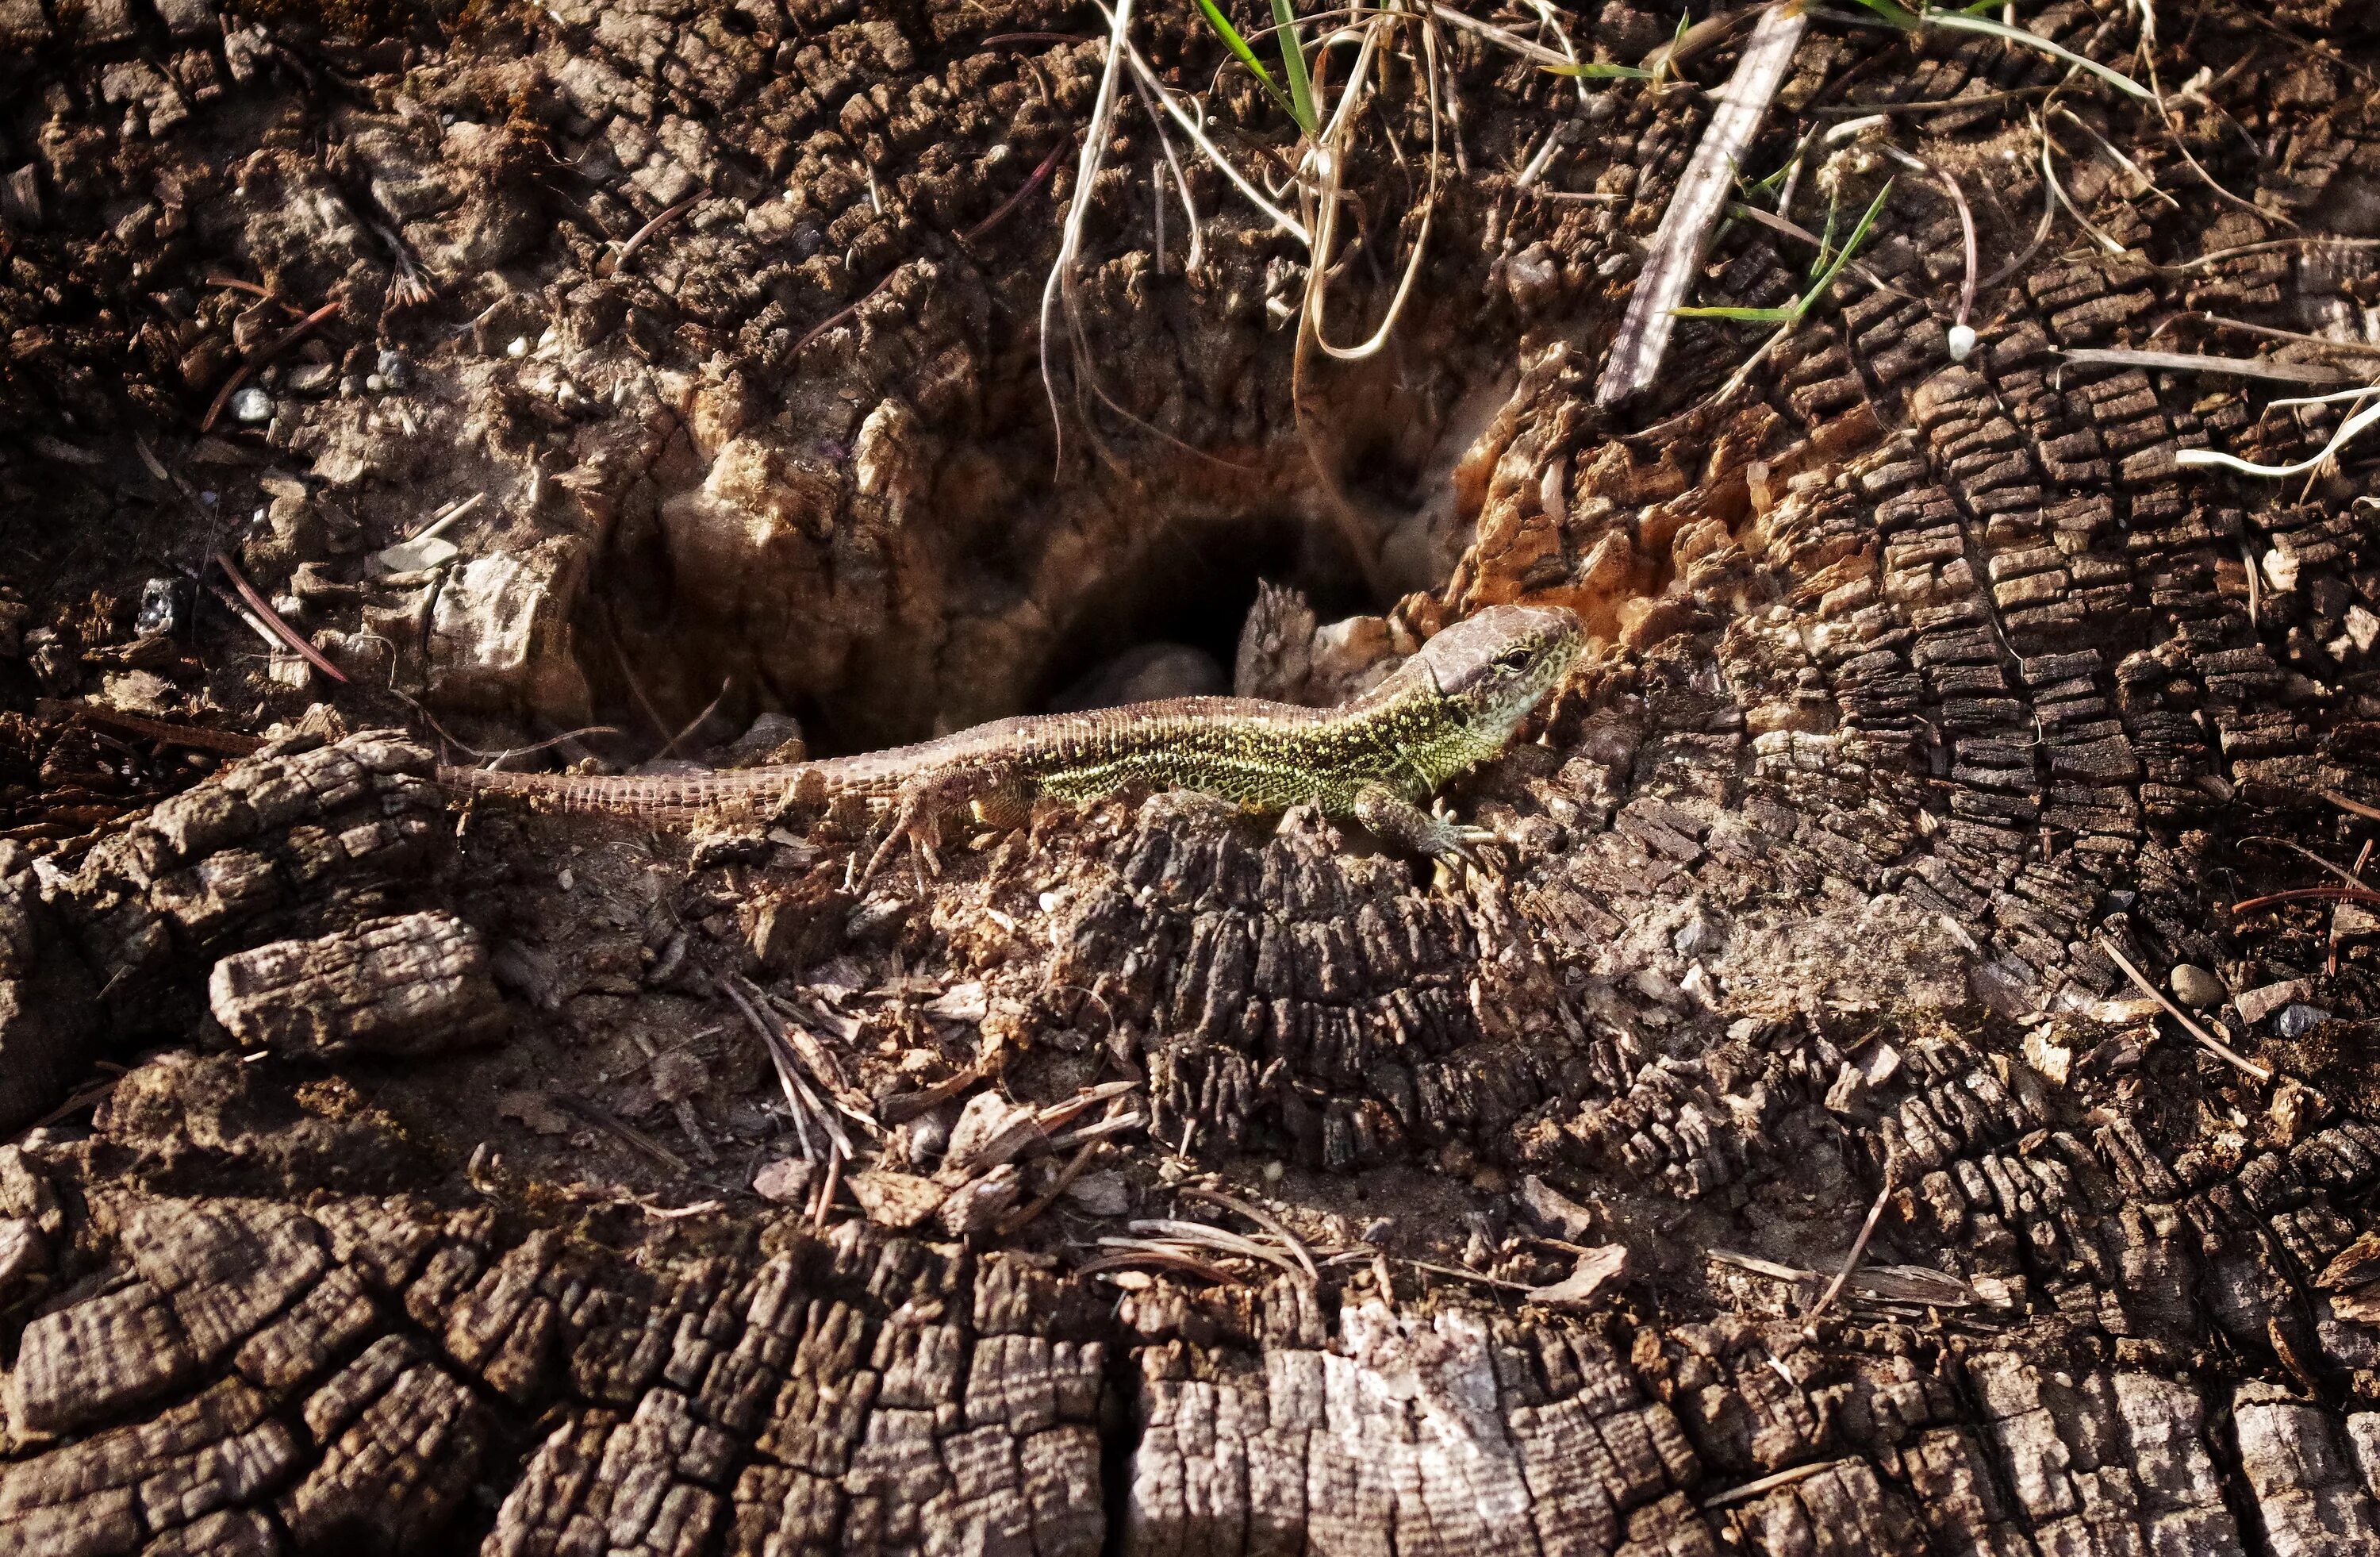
924, 799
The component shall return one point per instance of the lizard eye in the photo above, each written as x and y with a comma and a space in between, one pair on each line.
1512, 661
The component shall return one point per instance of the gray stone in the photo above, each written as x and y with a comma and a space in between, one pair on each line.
2298, 1020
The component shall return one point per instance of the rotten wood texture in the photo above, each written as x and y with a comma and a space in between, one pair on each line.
1201, 1172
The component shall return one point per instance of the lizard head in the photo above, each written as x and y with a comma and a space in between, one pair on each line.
1496, 666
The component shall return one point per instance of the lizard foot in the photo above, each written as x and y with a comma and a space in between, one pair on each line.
1396, 821
921, 804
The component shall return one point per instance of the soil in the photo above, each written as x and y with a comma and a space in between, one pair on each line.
618, 386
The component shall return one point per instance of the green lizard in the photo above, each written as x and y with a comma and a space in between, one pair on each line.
1375, 758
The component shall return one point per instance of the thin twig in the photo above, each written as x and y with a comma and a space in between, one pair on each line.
1024, 192
2341, 871
843, 314
281, 629
802, 1102
1859, 1245
2214, 1045
494, 760
2356, 808
1018, 1220
1220, 1239
237, 284
1750, 1489
696, 723
643, 235
2307, 894
288, 338
595, 1114
827, 1190
231, 743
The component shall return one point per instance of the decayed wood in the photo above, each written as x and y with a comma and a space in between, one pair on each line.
1928, 683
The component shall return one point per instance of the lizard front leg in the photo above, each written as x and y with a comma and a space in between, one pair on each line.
1395, 820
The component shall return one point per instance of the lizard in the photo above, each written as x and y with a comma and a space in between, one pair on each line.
1376, 758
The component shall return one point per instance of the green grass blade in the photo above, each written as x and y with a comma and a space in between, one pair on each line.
1826, 241
1747, 315
1244, 54
1958, 22
1851, 247
1594, 71
1902, 17
1293, 64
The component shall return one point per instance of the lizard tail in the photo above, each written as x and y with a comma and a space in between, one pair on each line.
666, 796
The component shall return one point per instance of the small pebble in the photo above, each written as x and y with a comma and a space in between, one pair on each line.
251, 403
2296, 1021
566, 881
2194, 987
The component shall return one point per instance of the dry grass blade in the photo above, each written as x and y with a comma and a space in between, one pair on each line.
1133, 1254
1221, 1240
1196, 131
1061, 284
1326, 223
2058, 192
803, 1104
1273, 1225
2208, 459
1067, 1177
1676, 255
1959, 346
1502, 39
2109, 149
2264, 367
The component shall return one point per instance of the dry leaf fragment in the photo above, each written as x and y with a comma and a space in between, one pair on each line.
2355, 1265
534, 1109
1596, 1269
896, 1200
787, 1181
1555, 1210
974, 1206
990, 1131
